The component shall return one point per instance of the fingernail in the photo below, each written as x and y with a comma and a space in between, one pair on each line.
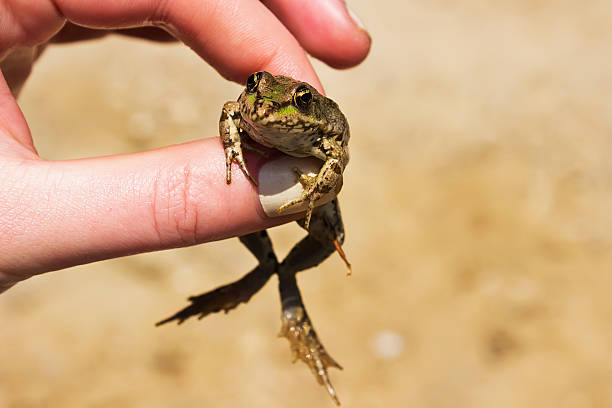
278, 184
355, 19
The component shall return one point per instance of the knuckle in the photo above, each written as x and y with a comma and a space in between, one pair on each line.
175, 209
160, 12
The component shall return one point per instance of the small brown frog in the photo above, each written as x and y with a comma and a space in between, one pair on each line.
291, 116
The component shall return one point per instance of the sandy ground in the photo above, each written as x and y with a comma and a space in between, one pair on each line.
477, 206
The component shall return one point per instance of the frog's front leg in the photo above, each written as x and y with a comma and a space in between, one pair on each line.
315, 187
229, 132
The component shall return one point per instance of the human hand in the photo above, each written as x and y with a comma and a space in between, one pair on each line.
59, 214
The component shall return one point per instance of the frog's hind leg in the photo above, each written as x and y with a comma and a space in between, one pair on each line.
327, 227
229, 296
296, 326
303, 340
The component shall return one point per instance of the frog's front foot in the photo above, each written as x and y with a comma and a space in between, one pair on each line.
231, 138
233, 153
305, 345
315, 187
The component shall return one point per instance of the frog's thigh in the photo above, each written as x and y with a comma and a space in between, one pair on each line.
325, 227
326, 224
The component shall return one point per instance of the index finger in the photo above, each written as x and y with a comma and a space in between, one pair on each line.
236, 37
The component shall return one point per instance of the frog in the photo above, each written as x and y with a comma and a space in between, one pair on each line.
290, 116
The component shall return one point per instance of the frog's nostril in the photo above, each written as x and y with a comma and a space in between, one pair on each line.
265, 107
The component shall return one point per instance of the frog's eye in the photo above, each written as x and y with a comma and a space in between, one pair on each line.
253, 81
302, 97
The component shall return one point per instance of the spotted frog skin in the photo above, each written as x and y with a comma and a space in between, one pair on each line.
290, 116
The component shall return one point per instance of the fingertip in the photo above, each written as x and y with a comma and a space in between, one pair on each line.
327, 29
351, 56
344, 42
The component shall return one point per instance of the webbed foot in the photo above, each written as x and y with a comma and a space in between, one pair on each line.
225, 297
295, 323
228, 297
305, 345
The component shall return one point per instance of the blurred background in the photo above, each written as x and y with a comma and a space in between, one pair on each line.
477, 206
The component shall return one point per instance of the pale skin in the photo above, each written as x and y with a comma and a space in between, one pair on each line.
154, 206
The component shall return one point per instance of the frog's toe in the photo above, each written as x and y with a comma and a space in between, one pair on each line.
305, 345
234, 154
305, 197
307, 181
290, 204
340, 251
250, 177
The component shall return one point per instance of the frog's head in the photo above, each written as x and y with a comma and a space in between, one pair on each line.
284, 104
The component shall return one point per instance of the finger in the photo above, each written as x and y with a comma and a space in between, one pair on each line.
93, 209
15, 137
236, 37
326, 28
